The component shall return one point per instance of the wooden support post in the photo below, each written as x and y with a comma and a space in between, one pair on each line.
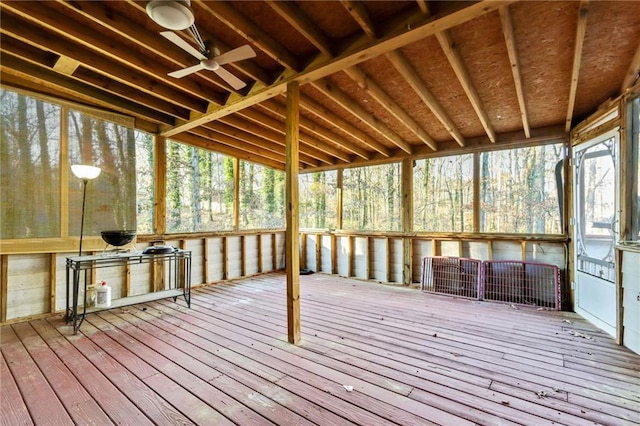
160, 213
523, 246
319, 252
303, 250
476, 192
274, 251
259, 249
127, 281
52, 282
334, 254
243, 255
236, 194
407, 221
4, 284
367, 257
205, 260
339, 181
292, 251
350, 254
389, 258
225, 258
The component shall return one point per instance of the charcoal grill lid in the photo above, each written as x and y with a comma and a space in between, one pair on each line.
159, 250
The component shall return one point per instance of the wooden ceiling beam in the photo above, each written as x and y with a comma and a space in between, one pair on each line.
409, 73
509, 38
633, 73
102, 14
306, 125
378, 93
457, 63
40, 76
66, 29
252, 141
275, 136
360, 14
357, 51
218, 142
577, 60
334, 119
225, 12
26, 33
240, 129
305, 26
424, 7
346, 102
18, 49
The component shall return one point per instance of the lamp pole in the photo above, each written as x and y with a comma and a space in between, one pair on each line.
85, 173
84, 197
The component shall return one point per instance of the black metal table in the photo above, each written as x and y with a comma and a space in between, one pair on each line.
179, 277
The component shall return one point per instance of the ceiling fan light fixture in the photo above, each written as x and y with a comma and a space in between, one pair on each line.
171, 14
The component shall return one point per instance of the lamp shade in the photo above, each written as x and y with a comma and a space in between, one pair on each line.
171, 14
85, 172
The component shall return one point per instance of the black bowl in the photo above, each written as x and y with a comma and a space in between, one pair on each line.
118, 238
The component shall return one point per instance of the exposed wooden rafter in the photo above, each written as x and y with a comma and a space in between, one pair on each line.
334, 119
407, 71
577, 59
378, 93
305, 26
306, 126
311, 146
346, 102
633, 73
66, 36
359, 13
359, 50
457, 63
225, 12
509, 38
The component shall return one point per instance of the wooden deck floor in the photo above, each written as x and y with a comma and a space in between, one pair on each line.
371, 354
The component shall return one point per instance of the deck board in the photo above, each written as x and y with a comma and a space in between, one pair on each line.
411, 358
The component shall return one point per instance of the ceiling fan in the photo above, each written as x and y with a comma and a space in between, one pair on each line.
177, 15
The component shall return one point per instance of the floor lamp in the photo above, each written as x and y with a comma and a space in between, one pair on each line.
85, 173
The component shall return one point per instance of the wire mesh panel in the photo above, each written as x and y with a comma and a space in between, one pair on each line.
451, 275
525, 283
518, 282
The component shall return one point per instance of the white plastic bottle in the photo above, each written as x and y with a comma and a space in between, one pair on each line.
103, 295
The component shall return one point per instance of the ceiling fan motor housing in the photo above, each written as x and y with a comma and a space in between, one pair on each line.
210, 64
171, 14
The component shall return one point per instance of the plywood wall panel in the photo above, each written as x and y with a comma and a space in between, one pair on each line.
233, 252
342, 245
251, 254
325, 253
28, 287
507, 250
379, 255
475, 250
361, 258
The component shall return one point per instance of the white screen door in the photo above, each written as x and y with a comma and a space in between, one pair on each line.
596, 230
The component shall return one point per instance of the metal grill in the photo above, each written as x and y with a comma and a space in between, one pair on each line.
517, 282
451, 275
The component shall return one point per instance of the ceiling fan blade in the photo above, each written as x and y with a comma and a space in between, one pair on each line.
184, 72
175, 39
231, 79
238, 54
